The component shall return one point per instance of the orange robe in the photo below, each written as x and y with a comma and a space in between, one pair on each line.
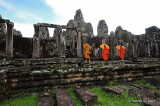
87, 52
121, 53
105, 53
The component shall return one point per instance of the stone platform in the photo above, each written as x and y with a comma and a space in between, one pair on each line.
18, 75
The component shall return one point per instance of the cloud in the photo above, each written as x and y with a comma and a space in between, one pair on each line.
132, 15
27, 30
19, 13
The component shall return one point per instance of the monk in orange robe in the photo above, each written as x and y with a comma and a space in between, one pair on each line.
122, 52
87, 51
105, 53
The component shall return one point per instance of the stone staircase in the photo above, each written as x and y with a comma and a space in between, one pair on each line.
19, 75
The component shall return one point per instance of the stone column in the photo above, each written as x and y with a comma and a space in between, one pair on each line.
149, 49
9, 40
36, 42
134, 48
79, 44
156, 47
104, 40
59, 34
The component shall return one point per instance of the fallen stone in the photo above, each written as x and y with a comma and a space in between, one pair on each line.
88, 98
45, 99
114, 90
63, 98
151, 101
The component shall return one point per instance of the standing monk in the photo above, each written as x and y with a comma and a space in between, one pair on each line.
105, 52
121, 52
87, 51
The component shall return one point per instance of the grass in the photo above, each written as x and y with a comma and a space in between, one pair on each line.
144, 83
23, 101
74, 97
106, 99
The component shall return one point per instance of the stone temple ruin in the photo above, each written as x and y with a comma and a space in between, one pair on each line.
50, 62
68, 42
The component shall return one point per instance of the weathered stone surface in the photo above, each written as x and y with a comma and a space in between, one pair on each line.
88, 98
3, 30
102, 29
114, 90
89, 29
44, 33
151, 101
45, 99
17, 33
70, 39
78, 18
154, 81
149, 96
151, 30
63, 98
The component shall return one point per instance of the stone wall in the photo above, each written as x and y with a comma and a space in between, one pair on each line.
3, 88
23, 74
2, 48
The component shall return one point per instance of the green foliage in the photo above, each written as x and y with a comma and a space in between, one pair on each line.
144, 83
74, 97
112, 83
23, 101
101, 64
105, 99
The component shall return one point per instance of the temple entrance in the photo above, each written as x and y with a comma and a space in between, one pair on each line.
61, 46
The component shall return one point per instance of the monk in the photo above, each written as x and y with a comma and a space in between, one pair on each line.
122, 52
87, 51
105, 53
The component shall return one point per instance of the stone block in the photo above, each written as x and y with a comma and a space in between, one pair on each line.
88, 98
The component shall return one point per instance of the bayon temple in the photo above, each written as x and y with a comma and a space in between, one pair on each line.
44, 63
67, 40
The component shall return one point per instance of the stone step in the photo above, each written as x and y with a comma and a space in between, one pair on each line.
88, 98
45, 99
19, 62
63, 98
39, 67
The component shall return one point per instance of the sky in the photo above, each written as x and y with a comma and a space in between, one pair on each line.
132, 15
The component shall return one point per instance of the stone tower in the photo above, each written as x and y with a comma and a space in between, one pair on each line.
102, 29
78, 18
89, 29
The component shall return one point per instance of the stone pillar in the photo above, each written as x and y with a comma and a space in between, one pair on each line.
134, 47
156, 46
59, 34
103, 40
36, 42
112, 47
79, 44
9, 40
149, 49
